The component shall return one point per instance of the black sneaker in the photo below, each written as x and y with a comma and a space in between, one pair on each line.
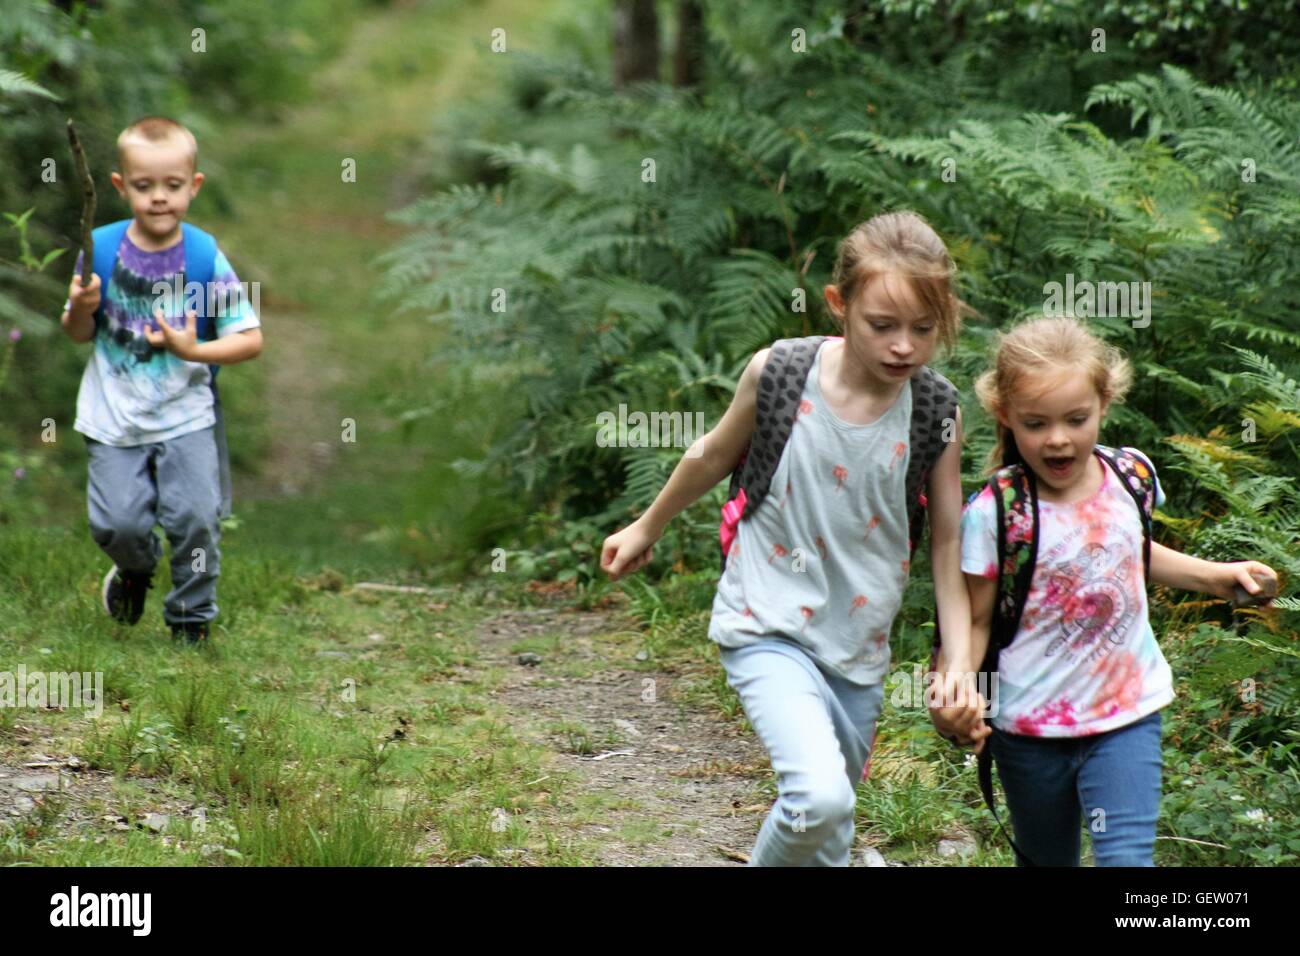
193, 632
124, 594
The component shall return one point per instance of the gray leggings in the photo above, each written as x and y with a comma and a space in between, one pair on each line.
174, 483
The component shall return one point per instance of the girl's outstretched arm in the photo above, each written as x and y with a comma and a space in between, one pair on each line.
1177, 570
710, 459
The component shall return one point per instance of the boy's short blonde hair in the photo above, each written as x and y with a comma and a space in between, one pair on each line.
156, 129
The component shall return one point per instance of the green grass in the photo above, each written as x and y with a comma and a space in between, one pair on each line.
304, 741
373, 759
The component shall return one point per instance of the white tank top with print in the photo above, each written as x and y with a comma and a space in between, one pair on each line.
824, 559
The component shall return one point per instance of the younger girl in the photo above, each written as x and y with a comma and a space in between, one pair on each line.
816, 573
1080, 687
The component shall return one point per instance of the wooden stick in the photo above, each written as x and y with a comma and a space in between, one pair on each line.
1190, 840
87, 206
398, 588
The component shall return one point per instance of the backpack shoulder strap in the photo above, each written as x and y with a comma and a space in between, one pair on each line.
1137, 478
779, 387
200, 262
107, 239
1015, 494
934, 410
779, 390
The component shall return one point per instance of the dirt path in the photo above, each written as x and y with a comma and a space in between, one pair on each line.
665, 782
304, 375
310, 237
652, 779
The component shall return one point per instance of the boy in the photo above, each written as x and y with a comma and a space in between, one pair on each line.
147, 405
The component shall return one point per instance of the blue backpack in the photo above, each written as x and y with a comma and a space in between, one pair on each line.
200, 263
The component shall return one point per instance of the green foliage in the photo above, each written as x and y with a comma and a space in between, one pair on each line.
16, 84
104, 65
644, 267
619, 289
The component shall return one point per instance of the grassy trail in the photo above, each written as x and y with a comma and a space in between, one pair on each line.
328, 724
310, 235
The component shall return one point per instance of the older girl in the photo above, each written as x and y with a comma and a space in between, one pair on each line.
804, 637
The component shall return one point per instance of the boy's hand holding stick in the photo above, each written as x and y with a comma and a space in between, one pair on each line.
83, 300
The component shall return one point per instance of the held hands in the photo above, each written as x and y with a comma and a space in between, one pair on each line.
627, 550
183, 343
959, 714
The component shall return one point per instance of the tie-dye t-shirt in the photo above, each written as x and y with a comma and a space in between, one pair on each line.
131, 392
1085, 659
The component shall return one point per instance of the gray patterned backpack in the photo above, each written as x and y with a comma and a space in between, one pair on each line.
934, 406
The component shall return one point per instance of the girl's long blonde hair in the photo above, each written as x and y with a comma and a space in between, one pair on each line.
1046, 346
905, 244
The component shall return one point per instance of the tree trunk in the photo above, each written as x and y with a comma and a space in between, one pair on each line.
636, 42
690, 43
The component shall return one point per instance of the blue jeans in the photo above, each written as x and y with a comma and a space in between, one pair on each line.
1111, 780
817, 728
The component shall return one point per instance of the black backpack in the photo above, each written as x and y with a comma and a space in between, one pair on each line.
1015, 493
934, 408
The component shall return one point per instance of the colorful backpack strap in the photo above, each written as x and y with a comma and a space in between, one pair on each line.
1015, 495
780, 389
1135, 475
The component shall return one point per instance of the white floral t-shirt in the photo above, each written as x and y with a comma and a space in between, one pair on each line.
1085, 659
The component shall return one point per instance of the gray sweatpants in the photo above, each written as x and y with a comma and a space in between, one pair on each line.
176, 484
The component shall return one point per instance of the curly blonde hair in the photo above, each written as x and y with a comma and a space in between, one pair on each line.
1046, 346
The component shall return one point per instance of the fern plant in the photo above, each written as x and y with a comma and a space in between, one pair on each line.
646, 265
